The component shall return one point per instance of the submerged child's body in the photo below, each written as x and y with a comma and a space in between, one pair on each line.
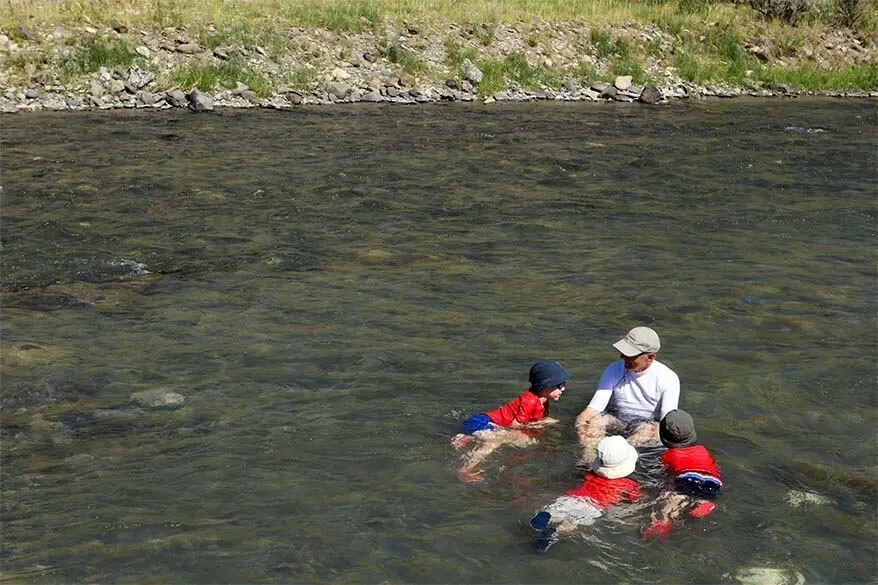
605, 485
693, 471
509, 424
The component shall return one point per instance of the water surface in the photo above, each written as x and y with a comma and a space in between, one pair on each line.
334, 290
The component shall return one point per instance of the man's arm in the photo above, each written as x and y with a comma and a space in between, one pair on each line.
670, 397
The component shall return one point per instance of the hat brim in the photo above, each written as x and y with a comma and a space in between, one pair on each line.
560, 377
626, 348
623, 469
679, 444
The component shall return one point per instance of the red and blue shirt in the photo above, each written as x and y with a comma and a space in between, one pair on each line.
691, 460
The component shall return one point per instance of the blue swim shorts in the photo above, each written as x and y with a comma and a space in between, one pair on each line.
478, 422
698, 485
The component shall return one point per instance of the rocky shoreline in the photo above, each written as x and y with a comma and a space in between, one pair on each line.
351, 68
120, 93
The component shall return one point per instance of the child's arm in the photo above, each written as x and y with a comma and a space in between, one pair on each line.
546, 421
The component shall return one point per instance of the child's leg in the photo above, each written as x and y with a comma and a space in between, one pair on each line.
489, 441
668, 508
461, 440
644, 433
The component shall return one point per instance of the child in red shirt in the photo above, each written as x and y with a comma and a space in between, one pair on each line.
605, 485
696, 476
507, 424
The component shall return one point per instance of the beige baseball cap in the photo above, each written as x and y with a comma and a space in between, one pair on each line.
639, 340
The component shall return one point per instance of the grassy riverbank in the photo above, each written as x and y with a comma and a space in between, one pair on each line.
278, 45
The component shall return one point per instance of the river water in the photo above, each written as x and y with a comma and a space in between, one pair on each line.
332, 290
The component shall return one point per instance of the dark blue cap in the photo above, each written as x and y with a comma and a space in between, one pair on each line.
547, 374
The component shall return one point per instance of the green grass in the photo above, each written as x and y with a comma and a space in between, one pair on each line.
405, 58
302, 78
455, 53
586, 73
85, 59
812, 78
347, 16
602, 42
514, 69
226, 75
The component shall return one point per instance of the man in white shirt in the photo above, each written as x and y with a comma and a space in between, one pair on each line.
639, 389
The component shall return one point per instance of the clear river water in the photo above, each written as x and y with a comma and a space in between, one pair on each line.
321, 296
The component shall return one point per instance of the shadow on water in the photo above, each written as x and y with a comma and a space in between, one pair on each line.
235, 346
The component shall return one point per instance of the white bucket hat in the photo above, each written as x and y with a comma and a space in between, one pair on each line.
616, 457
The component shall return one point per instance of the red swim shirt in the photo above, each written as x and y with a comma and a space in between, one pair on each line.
606, 492
525, 408
695, 458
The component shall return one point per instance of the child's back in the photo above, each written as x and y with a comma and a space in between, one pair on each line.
607, 484
696, 477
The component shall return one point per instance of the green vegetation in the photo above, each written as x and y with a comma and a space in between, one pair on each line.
348, 16
818, 79
404, 57
225, 75
515, 70
91, 57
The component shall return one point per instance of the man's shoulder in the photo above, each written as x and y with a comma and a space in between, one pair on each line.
663, 370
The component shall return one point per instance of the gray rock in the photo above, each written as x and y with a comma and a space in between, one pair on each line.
143, 52
199, 101
569, 85
117, 87
176, 98
622, 82
447, 94
138, 78
338, 89
470, 71
605, 90
250, 96
391, 91
650, 95
221, 53
188, 48
371, 96
451, 83
158, 398
24, 32
406, 79
147, 98
294, 97
73, 103
31, 94
367, 56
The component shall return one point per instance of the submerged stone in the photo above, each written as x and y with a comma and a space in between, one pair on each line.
768, 576
158, 398
799, 498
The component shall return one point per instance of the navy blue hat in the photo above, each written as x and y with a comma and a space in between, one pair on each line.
547, 374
